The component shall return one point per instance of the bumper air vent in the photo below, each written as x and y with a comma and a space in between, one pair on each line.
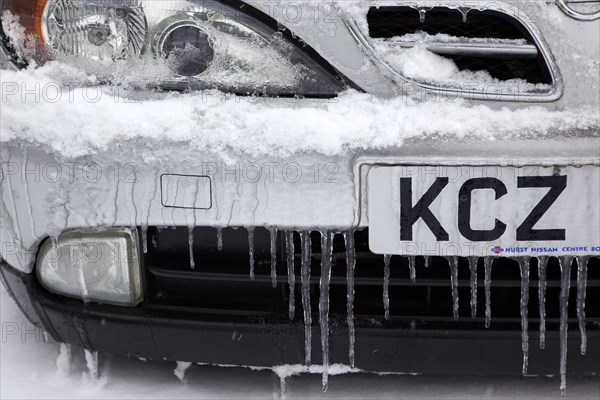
492, 54
220, 282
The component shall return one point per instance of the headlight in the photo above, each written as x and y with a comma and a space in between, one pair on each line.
179, 44
93, 266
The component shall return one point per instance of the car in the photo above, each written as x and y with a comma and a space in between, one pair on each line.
396, 186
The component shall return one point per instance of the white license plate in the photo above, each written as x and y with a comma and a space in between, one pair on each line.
484, 210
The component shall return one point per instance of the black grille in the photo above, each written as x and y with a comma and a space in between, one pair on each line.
220, 282
389, 22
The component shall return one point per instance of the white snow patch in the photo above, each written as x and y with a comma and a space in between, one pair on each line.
180, 370
288, 370
40, 106
16, 32
422, 65
424, 37
418, 62
63, 361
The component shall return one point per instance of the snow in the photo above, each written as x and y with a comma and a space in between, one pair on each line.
14, 30
180, 370
417, 62
444, 38
423, 65
55, 106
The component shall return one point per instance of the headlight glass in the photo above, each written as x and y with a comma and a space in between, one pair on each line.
179, 44
93, 266
92, 30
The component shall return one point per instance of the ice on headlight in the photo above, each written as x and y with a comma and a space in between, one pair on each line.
93, 266
179, 45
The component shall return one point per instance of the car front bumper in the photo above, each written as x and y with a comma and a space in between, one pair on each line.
45, 193
213, 337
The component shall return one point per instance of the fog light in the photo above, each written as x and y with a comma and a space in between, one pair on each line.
93, 266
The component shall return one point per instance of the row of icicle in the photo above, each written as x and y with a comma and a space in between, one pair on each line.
326, 256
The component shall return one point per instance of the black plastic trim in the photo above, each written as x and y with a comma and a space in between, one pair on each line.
157, 333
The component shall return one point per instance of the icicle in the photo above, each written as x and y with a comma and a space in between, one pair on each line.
54, 244
145, 223
542, 266
251, 251
289, 248
145, 238
305, 276
454, 281
350, 266
487, 263
326, 252
220, 239
426, 261
82, 283
473, 268
422, 15
91, 360
191, 246
464, 11
411, 267
524, 266
133, 214
386, 285
582, 263
565, 285
273, 232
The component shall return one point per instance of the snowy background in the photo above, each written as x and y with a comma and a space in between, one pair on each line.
32, 369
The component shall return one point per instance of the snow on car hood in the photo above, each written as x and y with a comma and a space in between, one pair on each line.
60, 108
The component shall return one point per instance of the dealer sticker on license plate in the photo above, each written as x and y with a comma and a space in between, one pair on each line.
484, 210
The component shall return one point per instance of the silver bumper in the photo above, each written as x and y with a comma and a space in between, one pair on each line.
44, 194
